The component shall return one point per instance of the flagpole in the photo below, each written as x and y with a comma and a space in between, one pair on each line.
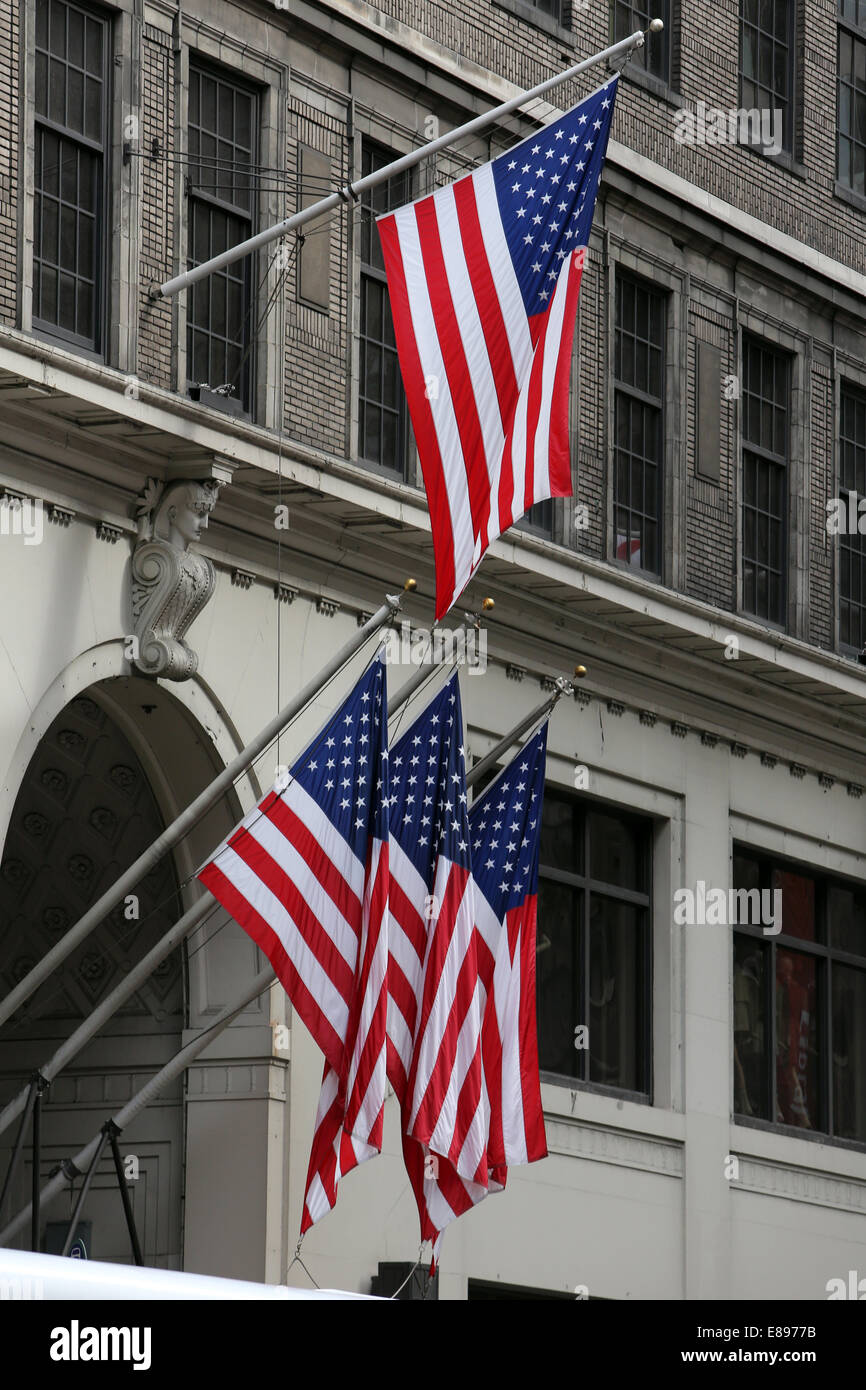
563, 687
187, 818
172, 1069
110, 1004
470, 620
350, 191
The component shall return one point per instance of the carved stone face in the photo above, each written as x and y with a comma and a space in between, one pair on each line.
186, 524
184, 513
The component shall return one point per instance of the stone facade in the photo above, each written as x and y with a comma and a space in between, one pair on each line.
762, 750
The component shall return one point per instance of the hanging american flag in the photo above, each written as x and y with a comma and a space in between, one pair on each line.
483, 278
505, 823
306, 874
434, 996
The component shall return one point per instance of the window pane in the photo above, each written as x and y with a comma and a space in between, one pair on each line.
798, 904
561, 834
615, 852
846, 911
751, 1077
849, 1053
615, 950
556, 975
796, 1040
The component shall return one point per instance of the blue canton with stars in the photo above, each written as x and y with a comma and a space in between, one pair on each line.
345, 768
505, 822
429, 806
547, 187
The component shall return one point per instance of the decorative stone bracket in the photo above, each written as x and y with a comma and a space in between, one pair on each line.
170, 583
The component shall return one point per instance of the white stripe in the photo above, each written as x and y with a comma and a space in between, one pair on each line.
285, 928
441, 407
502, 270
469, 328
552, 343
300, 875
507, 999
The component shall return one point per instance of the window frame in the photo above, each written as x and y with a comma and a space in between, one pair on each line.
789, 118
369, 143
752, 341
584, 885
637, 64
825, 955
856, 31
624, 389
857, 394
95, 349
204, 65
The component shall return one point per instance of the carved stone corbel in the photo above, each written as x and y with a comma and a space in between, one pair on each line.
170, 583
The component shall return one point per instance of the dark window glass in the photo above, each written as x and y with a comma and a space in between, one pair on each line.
806, 1071
767, 59
851, 97
629, 15
592, 951
639, 371
69, 169
852, 546
766, 389
382, 414
222, 202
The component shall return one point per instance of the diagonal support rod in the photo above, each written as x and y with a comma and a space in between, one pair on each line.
397, 166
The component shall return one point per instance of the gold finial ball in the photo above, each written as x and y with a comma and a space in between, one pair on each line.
410, 586
656, 26
488, 605
580, 672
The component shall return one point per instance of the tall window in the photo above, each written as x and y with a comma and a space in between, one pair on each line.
800, 999
766, 438
851, 99
852, 548
593, 945
382, 414
639, 370
222, 204
767, 60
69, 191
629, 15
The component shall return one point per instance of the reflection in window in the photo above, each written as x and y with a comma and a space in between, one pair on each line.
592, 961
808, 1071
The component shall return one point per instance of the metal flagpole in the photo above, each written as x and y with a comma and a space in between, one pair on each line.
187, 818
172, 1069
470, 620
146, 966
563, 687
406, 161
110, 1004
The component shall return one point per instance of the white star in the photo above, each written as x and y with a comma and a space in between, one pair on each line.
527, 240
521, 212
535, 149
558, 135
513, 164
515, 188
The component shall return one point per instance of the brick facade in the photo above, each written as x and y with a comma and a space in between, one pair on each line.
323, 113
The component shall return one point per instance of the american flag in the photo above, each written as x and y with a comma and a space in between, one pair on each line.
483, 278
505, 822
434, 996
306, 875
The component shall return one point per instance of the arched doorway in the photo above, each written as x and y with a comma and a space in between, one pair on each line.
84, 811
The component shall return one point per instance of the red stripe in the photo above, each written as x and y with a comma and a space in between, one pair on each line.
491, 1046
422, 416
374, 1042
255, 926
404, 911
467, 1106
530, 1083
455, 887
559, 450
486, 298
533, 411
310, 929
454, 360
302, 839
